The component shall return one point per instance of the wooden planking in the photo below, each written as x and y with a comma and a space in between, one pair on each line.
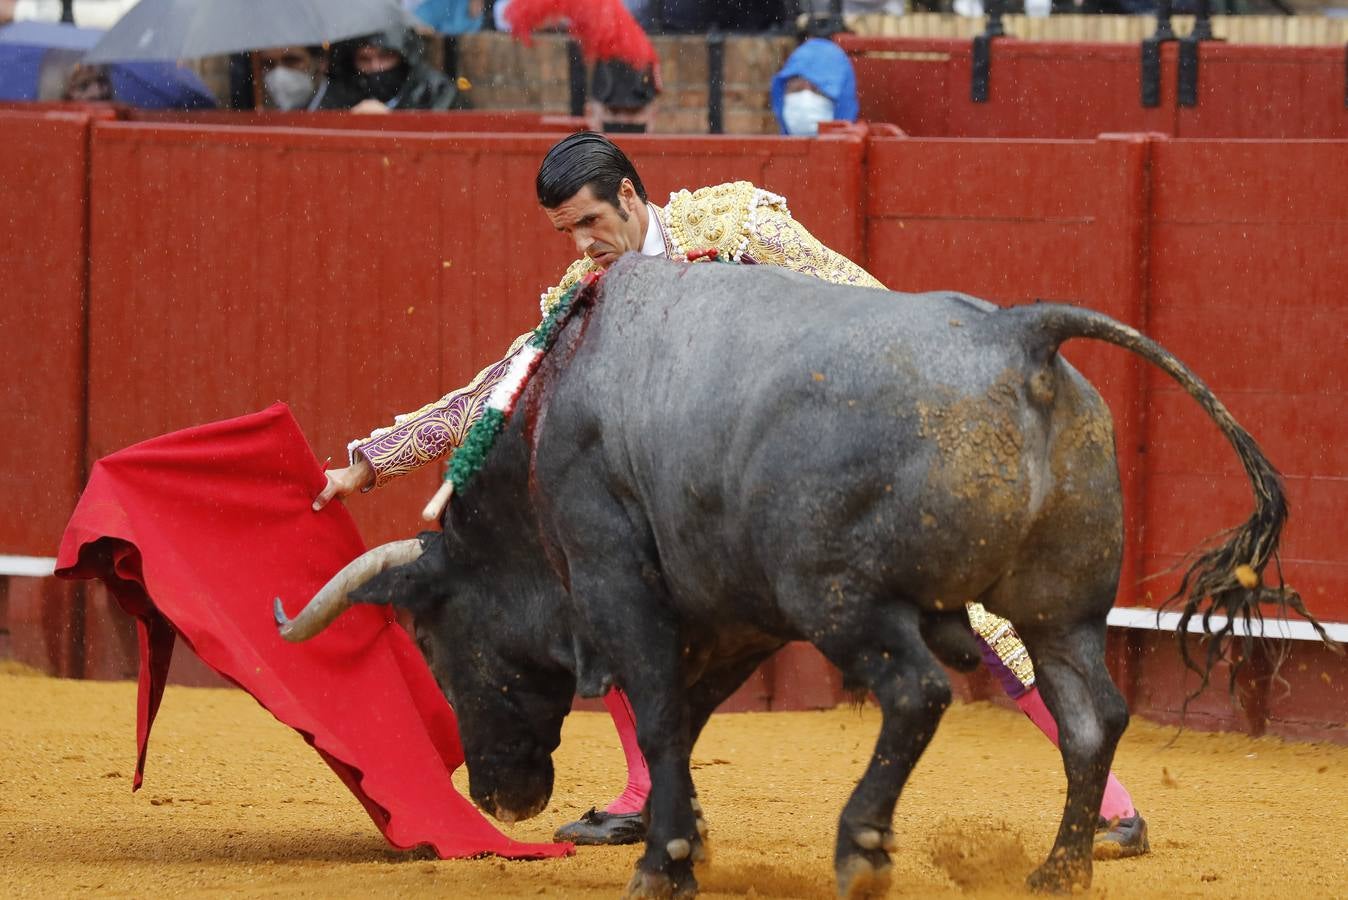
43, 248
1070, 88
1290, 183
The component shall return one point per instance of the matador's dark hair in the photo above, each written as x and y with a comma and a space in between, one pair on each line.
585, 157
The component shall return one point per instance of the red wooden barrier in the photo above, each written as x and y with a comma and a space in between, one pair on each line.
500, 121
43, 210
489, 121
1267, 92
1044, 89
1248, 267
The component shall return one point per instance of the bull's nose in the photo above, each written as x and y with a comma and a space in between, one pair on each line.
503, 813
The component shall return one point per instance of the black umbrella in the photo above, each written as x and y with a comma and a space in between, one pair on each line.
187, 29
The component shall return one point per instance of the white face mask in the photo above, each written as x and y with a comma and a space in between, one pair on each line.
802, 111
289, 88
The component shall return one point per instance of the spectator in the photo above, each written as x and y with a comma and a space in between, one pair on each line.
382, 72
292, 77
88, 83
622, 98
817, 84
626, 77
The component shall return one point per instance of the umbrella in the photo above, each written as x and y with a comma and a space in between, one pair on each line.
187, 29
29, 49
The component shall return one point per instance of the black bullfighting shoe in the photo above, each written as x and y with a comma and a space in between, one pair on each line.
1121, 838
603, 828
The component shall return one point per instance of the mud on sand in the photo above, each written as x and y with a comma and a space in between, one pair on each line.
236, 803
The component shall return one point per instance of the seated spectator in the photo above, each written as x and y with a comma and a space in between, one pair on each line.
622, 98
383, 72
817, 84
88, 83
292, 77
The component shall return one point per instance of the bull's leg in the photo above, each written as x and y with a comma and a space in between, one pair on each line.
707, 693
663, 731
886, 655
633, 626
1091, 715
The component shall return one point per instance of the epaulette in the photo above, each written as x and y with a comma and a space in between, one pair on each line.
721, 216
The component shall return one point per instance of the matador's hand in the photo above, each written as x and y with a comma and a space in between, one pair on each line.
343, 482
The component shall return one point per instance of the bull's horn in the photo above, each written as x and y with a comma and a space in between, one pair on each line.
333, 599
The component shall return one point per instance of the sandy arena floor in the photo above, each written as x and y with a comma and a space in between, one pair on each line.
235, 803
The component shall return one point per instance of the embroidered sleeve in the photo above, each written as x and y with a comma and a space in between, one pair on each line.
417, 438
777, 239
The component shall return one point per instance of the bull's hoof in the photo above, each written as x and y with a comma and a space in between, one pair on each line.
659, 886
863, 876
1058, 877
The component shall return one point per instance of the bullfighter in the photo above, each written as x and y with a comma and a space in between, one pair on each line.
591, 192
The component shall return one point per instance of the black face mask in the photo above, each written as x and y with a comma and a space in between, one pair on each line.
383, 86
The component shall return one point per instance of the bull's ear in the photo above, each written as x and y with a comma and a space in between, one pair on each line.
412, 586
594, 676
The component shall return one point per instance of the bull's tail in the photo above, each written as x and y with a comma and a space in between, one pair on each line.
1226, 576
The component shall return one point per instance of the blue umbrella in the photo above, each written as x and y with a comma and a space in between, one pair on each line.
150, 85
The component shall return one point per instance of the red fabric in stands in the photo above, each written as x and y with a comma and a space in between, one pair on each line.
195, 532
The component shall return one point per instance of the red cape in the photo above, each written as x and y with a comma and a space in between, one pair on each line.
194, 533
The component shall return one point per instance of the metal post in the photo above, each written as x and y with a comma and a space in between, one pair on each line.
1151, 55
715, 82
449, 62
241, 94
835, 16
982, 51
576, 75
1188, 54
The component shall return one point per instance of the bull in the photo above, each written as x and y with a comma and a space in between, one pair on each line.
715, 460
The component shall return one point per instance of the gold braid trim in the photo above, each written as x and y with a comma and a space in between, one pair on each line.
1002, 638
574, 273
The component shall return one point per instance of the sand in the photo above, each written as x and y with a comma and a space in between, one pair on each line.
235, 803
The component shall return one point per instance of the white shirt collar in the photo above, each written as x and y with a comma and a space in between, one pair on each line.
654, 242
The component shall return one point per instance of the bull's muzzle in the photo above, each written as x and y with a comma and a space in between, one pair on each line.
334, 598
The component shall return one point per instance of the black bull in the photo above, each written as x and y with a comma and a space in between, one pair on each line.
718, 459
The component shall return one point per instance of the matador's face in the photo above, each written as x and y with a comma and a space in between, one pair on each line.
599, 229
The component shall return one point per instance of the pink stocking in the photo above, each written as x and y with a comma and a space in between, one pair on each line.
1116, 803
633, 797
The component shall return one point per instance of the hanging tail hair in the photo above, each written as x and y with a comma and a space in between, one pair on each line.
1225, 577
